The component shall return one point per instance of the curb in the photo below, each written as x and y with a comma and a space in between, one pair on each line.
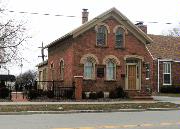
87, 111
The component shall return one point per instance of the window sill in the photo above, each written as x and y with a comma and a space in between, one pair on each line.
147, 79
120, 48
84, 79
110, 80
101, 46
167, 84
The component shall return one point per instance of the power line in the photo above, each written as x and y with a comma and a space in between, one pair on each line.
37, 13
71, 16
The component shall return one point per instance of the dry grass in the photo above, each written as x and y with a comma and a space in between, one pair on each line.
67, 107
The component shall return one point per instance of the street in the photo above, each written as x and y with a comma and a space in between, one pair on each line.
111, 120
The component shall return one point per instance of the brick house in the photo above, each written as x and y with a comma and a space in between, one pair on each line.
165, 51
102, 54
42, 76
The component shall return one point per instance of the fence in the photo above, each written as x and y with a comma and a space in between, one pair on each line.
57, 88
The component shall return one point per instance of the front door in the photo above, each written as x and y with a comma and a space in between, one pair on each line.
132, 74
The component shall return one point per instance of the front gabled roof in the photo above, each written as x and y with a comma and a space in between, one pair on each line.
111, 12
165, 47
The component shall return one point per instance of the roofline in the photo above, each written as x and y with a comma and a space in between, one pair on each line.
68, 35
42, 63
149, 52
78, 30
166, 59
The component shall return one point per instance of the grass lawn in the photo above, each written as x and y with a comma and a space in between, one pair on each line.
68, 107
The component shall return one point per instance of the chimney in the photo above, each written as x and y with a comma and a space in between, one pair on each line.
84, 16
142, 26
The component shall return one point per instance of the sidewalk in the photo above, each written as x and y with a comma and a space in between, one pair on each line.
56, 103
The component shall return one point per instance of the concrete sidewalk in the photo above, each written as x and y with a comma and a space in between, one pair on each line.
175, 100
49, 103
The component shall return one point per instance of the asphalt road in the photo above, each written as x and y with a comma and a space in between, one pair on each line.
113, 120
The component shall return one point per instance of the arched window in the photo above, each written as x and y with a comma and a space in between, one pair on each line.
119, 38
110, 70
101, 35
89, 70
61, 69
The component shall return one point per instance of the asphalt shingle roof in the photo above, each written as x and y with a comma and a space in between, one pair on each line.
165, 47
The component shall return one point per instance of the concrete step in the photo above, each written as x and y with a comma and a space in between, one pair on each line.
142, 97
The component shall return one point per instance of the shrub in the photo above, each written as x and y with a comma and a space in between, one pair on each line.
84, 95
117, 93
112, 94
120, 92
93, 95
50, 94
32, 94
69, 94
44, 93
170, 89
4, 92
100, 94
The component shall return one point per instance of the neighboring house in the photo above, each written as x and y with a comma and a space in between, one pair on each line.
42, 75
166, 55
109, 51
7, 80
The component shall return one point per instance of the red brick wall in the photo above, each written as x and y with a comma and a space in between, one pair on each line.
175, 73
64, 51
86, 43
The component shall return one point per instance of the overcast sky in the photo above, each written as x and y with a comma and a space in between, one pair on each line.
47, 28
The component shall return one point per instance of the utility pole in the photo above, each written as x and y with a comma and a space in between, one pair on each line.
21, 65
42, 52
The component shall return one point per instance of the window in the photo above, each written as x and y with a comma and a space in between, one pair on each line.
61, 69
52, 71
147, 71
110, 70
88, 69
40, 75
101, 35
52, 65
167, 73
119, 38
44, 74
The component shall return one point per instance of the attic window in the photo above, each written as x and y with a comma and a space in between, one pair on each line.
101, 36
119, 38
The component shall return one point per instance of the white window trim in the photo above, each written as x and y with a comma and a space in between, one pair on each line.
106, 34
123, 42
167, 73
114, 72
93, 74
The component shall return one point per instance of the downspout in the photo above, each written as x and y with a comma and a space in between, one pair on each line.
158, 75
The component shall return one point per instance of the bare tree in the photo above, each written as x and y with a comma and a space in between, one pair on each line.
12, 35
175, 32
26, 79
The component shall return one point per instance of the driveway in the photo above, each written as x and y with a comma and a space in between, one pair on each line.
175, 100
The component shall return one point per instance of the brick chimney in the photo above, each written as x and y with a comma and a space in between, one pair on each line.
85, 14
142, 26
